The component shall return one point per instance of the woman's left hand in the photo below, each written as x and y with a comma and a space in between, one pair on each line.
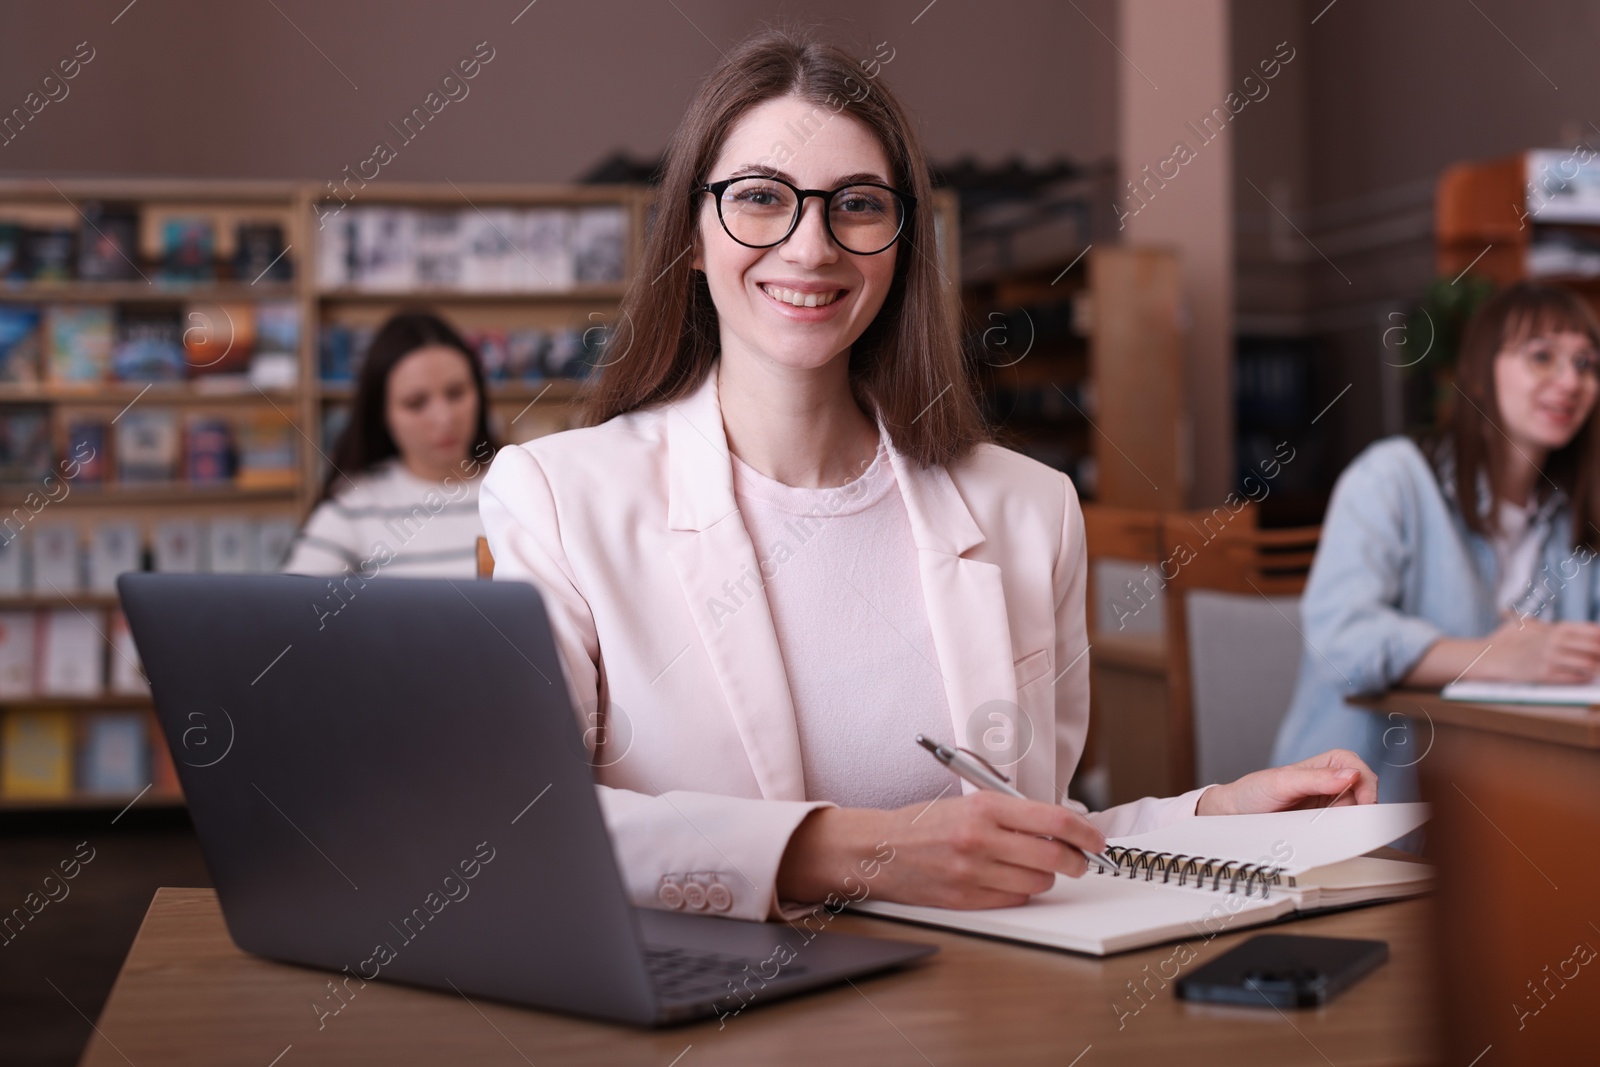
1333, 779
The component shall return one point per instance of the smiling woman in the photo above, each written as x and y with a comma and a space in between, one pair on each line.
794, 344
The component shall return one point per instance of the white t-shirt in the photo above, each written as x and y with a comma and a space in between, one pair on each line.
845, 593
395, 523
1516, 551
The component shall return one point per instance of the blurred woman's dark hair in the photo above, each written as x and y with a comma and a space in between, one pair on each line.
907, 364
365, 441
1473, 434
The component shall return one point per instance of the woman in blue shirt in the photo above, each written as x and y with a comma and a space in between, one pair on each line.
1412, 587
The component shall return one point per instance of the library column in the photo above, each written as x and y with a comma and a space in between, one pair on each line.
1176, 190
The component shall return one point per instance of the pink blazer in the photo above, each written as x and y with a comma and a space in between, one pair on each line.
631, 533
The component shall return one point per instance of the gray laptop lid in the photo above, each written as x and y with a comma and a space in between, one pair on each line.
363, 781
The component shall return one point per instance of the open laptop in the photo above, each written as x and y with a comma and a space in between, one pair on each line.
389, 781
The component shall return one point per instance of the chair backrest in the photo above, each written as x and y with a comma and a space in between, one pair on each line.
1124, 545
485, 559
1233, 637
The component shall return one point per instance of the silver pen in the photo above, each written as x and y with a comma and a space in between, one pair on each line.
981, 773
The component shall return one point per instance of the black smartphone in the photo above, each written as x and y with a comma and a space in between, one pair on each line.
1284, 971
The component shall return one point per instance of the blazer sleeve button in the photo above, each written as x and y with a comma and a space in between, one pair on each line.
719, 896
694, 896
670, 894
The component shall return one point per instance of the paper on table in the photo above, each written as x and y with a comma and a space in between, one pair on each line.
1522, 693
1293, 840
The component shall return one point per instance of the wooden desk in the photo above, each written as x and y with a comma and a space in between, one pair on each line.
186, 995
1515, 831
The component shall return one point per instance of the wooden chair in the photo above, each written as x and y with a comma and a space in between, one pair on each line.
1222, 566
1128, 666
485, 559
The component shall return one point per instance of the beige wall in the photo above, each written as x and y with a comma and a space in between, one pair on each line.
185, 87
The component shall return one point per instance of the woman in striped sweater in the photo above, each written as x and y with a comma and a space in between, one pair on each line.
401, 496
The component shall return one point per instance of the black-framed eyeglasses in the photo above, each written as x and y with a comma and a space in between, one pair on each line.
759, 212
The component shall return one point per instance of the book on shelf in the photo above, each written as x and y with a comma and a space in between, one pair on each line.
114, 758
36, 754
48, 253
273, 538
13, 573
163, 775
147, 446
70, 654
341, 350
276, 363
219, 339
1562, 188
16, 655
260, 254
115, 547
13, 256
20, 345
526, 352
149, 345
108, 242
57, 558
177, 546
88, 441
209, 456
229, 545
267, 451
78, 342
599, 243
188, 249
127, 669
24, 443
488, 249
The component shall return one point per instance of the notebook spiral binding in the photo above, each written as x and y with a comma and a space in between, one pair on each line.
1131, 862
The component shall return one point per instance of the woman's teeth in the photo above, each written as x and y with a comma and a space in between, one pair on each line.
802, 300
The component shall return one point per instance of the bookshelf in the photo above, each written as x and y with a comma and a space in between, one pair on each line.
146, 235
1533, 215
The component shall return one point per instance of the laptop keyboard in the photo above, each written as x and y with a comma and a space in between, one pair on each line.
680, 973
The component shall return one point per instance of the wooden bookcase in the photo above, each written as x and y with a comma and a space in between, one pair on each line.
519, 410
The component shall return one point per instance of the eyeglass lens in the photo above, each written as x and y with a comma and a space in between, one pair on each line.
760, 212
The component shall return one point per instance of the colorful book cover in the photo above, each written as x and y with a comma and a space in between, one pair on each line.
208, 450
149, 345
13, 265
147, 446
113, 759
115, 547
78, 342
127, 669
108, 242
36, 754
188, 249
278, 326
24, 443
19, 343
16, 655
57, 558
87, 441
12, 576
69, 654
267, 452
219, 338
177, 546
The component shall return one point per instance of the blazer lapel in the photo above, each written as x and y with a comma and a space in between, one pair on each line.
717, 568
966, 607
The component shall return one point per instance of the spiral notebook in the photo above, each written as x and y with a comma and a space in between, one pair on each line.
1203, 876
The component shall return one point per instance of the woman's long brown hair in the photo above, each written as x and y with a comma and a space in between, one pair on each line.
1523, 311
907, 364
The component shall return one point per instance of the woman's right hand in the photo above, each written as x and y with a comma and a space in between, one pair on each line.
1527, 650
980, 850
